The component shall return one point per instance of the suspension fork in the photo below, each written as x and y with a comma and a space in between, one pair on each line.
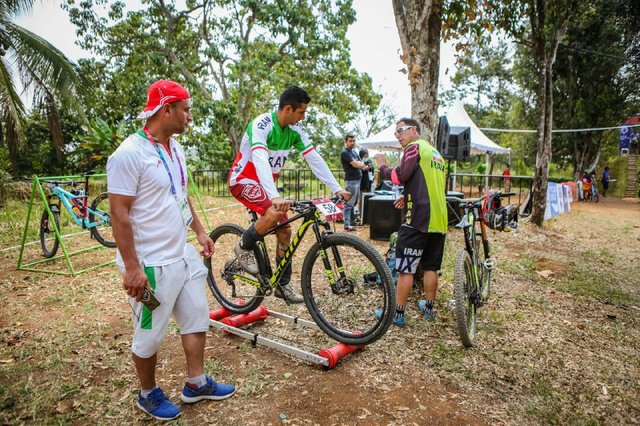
328, 269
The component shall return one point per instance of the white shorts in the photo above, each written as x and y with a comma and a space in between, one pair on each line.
180, 289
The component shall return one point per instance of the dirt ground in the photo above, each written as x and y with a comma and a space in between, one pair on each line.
558, 342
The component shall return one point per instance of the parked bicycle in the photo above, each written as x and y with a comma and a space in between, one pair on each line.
472, 273
76, 201
333, 286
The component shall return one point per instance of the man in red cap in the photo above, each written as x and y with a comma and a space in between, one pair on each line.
162, 273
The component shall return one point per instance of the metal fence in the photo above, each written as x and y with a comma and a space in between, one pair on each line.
297, 184
476, 185
301, 184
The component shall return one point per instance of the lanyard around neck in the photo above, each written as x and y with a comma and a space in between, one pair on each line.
154, 142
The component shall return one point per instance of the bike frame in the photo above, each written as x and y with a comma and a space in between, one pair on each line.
310, 218
472, 214
82, 203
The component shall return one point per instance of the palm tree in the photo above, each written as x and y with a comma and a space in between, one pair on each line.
29, 65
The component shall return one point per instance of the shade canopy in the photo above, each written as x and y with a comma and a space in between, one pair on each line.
480, 143
384, 140
457, 117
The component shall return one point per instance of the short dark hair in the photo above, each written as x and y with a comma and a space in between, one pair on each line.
347, 137
294, 96
363, 152
410, 122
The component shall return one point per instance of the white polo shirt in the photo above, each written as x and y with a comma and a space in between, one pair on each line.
136, 170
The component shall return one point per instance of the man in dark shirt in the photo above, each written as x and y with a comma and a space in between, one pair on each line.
367, 177
353, 169
424, 218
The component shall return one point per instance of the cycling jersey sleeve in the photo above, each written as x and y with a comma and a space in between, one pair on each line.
303, 143
320, 169
260, 157
408, 165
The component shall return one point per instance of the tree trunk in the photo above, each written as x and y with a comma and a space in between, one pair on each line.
543, 156
419, 23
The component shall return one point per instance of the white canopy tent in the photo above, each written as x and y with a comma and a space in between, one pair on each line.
456, 116
382, 141
480, 143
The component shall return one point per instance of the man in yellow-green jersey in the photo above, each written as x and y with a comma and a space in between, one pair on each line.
424, 220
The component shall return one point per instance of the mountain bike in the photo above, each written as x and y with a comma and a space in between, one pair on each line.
76, 201
472, 273
332, 277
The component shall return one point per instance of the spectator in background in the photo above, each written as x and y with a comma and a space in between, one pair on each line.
353, 169
366, 183
506, 175
606, 177
633, 143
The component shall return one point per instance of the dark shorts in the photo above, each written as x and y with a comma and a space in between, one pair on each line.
415, 247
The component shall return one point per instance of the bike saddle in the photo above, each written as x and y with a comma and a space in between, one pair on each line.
89, 173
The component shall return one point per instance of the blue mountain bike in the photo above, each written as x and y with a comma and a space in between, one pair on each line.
76, 201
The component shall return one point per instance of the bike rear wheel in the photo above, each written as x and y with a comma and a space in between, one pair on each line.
48, 240
101, 213
465, 294
344, 309
227, 280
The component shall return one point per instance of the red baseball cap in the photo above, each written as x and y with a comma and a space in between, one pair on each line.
160, 93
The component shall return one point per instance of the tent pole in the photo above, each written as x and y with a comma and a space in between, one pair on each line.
486, 171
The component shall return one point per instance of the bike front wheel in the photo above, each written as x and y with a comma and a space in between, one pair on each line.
232, 287
343, 280
485, 271
465, 294
48, 240
100, 214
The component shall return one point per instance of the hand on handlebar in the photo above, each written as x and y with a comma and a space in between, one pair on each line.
281, 204
346, 195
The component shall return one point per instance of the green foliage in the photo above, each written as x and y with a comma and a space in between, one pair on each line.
31, 65
100, 141
236, 57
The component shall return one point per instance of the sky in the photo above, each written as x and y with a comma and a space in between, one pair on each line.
374, 43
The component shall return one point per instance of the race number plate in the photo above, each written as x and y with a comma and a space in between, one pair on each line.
330, 211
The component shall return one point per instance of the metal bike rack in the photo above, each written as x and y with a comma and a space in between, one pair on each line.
224, 320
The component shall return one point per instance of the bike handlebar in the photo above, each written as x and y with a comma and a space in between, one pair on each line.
304, 205
469, 201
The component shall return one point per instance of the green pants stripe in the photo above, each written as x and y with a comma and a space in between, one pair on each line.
146, 322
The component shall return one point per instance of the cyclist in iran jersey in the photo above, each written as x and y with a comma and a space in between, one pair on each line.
264, 149
263, 152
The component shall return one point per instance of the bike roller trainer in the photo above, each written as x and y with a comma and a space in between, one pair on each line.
224, 320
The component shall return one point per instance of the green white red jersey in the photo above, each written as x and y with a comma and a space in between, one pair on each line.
264, 150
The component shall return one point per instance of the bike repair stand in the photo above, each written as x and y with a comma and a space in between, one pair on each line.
222, 319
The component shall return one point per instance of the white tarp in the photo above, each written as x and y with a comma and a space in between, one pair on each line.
456, 116
382, 141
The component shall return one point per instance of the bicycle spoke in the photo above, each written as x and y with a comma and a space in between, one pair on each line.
345, 307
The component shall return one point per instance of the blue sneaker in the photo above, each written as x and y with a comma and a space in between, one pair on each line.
210, 390
157, 405
428, 314
397, 321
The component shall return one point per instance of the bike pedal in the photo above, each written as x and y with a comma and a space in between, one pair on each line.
489, 263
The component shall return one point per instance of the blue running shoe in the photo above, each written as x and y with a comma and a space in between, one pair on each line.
210, 390
428, 314
397, 321
157, 405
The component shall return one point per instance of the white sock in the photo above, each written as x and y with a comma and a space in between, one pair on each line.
198, 380
145, 392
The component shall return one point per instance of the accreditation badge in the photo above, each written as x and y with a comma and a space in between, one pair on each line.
185, 211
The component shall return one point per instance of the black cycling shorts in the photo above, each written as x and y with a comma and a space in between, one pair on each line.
415, 247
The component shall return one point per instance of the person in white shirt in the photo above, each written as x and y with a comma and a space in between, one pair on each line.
150, 213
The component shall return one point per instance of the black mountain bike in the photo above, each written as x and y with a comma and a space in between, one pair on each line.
472, 274
333, 286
